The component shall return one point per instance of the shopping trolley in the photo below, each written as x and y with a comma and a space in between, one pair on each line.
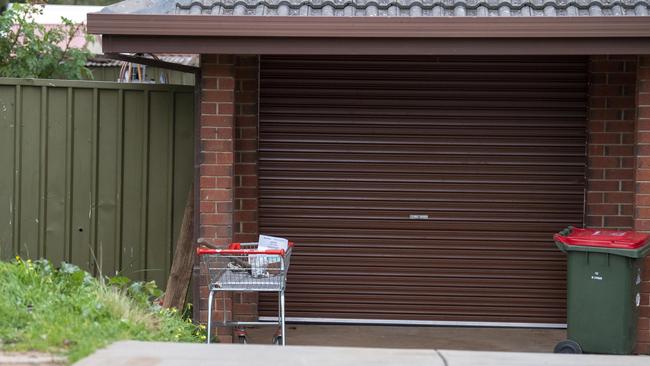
243, 268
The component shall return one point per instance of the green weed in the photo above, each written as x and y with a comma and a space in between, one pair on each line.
67, 311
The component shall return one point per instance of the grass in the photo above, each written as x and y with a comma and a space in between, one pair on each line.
67, 311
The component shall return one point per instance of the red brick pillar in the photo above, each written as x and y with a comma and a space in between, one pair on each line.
642, 199
245, 208
246, 94
619, 156
216, 169
610, 196
228, 169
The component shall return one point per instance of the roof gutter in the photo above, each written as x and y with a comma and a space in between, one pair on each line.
367, 27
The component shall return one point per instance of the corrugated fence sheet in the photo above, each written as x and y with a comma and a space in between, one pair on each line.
95, 173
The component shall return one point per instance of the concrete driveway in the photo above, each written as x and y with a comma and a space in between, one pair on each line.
132, 353
452, 338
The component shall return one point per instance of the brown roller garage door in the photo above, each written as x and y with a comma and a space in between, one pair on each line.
422, 189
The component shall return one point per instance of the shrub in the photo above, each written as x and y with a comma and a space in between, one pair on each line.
32, 50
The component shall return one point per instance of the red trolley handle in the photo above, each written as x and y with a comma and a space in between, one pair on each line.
203, 251
234, 249
238, 246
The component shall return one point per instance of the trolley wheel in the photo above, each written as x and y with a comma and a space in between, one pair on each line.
568, 346
277, 340
243, 339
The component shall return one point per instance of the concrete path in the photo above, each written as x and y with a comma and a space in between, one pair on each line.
379, 336
131, 353
30, 359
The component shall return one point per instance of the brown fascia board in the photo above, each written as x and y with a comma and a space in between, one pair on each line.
368, 27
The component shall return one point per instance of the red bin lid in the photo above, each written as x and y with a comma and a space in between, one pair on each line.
603, 238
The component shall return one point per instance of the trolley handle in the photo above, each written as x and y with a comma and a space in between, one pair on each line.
238, 245
235, 249
204, 251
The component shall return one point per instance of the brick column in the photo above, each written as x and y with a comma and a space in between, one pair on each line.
246, 71
245, 208
642, 199
216, 169
228, 169
619, 156
610, 196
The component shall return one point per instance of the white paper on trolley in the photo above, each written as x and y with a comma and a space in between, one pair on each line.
260, 262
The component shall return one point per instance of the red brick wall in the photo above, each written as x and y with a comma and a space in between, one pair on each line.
246, 72
642, 199
216, 169
228, 168
610, 196
619, 156
245, 209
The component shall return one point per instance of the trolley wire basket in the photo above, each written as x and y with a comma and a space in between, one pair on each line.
242, 267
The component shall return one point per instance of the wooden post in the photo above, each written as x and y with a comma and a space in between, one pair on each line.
181, 271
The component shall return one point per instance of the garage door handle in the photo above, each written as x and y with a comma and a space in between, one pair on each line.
419, 217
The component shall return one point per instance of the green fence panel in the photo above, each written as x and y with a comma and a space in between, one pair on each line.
95, 173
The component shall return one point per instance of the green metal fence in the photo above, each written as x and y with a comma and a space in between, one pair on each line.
95, 173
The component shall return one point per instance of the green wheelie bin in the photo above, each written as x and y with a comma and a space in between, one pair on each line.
603, 279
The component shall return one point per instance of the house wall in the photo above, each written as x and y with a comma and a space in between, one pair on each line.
642, 191
618, 194
618, 151
612, 87
245, 183
216, 169
228, 169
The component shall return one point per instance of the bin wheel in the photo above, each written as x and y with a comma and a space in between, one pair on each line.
568, 346
243, 340
277, 340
